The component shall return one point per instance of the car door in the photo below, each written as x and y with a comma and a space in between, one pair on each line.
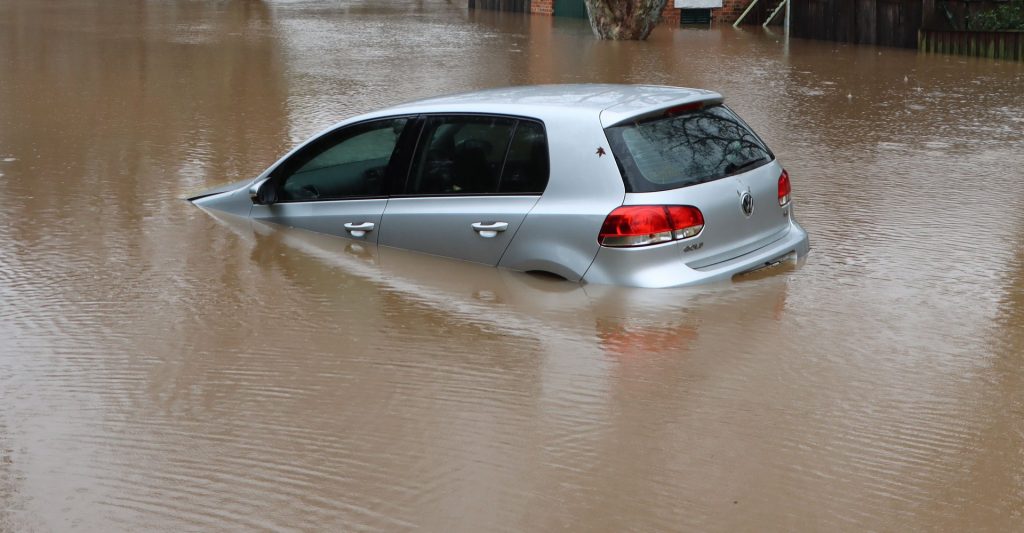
472, 181
338, 184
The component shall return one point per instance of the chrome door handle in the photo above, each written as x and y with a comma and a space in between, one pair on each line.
358, 230
489, 230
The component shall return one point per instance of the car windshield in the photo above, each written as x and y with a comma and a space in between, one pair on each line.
681, 150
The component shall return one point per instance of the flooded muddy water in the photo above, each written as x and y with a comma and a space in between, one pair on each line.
165, 368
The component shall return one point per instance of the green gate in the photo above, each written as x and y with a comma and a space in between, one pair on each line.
695, 16
517, 6
570, 8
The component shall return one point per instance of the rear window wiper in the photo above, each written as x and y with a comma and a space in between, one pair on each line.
732, 169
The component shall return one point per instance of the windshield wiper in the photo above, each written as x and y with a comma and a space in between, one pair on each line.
732, 169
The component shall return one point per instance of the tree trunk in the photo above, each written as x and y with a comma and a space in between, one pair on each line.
624, 19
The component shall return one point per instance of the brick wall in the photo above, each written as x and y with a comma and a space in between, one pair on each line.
730, 11
670, 15
543, 7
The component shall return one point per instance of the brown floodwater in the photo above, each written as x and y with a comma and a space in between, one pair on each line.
165, 368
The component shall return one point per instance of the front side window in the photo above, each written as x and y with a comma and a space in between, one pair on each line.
351, 163
687, 149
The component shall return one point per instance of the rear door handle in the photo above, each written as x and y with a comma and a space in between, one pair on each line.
489, 230
358, 230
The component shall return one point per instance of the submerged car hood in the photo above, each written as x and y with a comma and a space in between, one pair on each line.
217, 190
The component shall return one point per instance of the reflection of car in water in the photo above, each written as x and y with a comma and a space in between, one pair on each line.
609, 184
623, 321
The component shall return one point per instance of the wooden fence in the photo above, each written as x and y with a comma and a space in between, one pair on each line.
881, 22
994, 44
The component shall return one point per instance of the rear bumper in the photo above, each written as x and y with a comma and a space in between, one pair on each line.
663, 265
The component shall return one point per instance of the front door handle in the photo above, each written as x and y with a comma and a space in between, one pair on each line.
358, 230
489, 230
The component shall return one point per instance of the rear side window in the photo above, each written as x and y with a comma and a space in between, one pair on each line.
526, 167
687, 149
474, 155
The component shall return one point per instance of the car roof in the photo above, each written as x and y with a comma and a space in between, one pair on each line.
614, 103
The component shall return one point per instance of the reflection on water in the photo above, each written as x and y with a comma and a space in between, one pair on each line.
162, 366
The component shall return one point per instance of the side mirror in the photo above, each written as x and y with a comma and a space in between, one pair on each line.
263, 192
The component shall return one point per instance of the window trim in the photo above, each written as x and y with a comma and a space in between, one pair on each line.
421, 123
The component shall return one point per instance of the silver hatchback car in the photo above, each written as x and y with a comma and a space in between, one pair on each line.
642, 186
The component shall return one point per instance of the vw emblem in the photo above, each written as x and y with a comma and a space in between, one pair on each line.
747, 203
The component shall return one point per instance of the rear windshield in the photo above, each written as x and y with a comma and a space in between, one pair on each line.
677, 151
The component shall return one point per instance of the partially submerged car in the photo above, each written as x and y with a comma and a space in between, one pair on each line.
642, 186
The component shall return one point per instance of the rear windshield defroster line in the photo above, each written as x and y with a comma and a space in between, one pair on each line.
670, 152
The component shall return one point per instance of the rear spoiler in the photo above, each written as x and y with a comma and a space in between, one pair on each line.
663, 110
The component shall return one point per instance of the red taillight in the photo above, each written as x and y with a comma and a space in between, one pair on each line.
784, 188
642, 225
686, 221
